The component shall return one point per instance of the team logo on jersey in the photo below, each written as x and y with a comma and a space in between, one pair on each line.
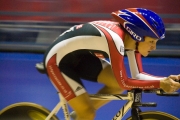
79, 26
121, 50
99, 55
78, 88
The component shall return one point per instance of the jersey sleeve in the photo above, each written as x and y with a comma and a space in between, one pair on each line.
124, 81
142, 80
136, 68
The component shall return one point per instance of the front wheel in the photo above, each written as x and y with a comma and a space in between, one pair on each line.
155, 115
25, 111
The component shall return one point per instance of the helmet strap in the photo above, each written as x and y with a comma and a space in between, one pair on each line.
137, 44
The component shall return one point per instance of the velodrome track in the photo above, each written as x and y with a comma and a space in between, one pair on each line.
21, 82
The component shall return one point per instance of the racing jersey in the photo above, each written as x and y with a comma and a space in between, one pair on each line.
103, 39
114, 36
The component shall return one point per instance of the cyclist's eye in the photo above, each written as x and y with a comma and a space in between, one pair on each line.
151, 42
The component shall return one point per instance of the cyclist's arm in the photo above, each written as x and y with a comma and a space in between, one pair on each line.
136, 67
122, 78
167, 84
119, 71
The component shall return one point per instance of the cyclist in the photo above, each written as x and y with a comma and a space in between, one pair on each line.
94, 51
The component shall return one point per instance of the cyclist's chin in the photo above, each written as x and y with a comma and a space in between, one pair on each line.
145, 54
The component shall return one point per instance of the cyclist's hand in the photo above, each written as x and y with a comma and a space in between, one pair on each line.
169, 85
175, 77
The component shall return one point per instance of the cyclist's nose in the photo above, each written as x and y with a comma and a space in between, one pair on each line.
153, 47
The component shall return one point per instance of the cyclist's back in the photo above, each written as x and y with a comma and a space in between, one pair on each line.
79, 52
94, 51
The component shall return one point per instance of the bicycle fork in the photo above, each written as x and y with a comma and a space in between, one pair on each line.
135, 111
135, 106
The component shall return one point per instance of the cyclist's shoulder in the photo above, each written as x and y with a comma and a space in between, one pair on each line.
105, 23
110, 25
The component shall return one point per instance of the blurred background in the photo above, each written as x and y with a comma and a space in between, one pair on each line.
27, 27
31, 25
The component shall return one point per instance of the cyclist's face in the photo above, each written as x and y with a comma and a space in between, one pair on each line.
147, 46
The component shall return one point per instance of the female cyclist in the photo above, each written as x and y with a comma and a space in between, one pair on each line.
94, 51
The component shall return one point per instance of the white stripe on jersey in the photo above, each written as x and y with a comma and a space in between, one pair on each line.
116, 38
132, 64
147, 77
76, 43
135, 73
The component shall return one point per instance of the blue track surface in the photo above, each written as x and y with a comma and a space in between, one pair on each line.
20, 82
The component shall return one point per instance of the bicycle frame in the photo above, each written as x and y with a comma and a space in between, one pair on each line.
62, 103
119, 115
133, 98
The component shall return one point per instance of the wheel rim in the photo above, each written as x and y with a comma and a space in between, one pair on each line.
156, 115
25, 111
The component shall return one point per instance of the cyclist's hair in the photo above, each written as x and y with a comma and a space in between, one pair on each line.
139, 22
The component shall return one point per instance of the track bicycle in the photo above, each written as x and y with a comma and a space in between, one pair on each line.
32, 111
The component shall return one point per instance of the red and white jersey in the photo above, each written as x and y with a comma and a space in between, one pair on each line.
115, 49
103, 39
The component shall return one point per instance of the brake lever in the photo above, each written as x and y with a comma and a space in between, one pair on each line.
162, 93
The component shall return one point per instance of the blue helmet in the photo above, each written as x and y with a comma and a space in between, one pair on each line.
140, 22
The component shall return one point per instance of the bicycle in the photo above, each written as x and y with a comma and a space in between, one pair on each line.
32, 111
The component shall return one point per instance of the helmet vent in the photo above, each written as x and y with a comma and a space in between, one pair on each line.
155, 24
